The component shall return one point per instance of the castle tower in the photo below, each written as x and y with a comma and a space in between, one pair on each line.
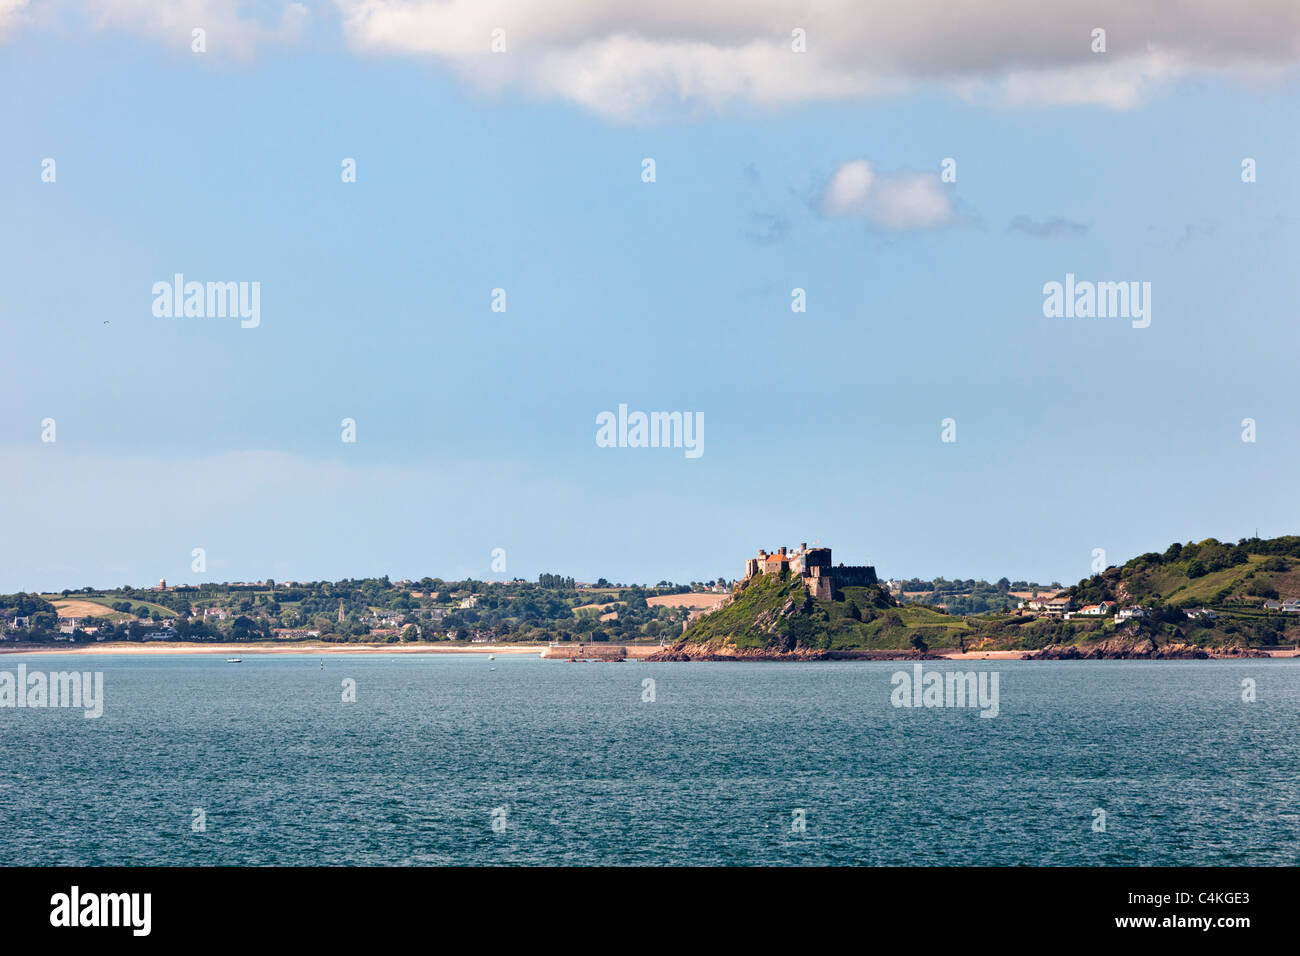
340, 610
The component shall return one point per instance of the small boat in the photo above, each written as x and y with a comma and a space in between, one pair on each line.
234, 660
492, 657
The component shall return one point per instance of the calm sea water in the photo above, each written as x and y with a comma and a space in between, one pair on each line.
710, 772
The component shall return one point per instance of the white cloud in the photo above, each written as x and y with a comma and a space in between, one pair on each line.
633, 60
630, 59
628, 76
902, 200
234, 29
10, 11
1119, 84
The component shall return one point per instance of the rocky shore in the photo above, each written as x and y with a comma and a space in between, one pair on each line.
687, 651
1123, 647
1119, 647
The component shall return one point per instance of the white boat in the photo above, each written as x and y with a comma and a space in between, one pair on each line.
234, 660
492, 657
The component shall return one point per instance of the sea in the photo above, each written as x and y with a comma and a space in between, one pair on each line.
455, 759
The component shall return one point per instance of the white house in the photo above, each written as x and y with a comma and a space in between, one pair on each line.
1097, 610
1051, 607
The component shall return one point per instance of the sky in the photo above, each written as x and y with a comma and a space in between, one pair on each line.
524, 170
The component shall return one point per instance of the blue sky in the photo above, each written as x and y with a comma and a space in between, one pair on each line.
475, 429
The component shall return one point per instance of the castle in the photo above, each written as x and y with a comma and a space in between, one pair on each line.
814, 566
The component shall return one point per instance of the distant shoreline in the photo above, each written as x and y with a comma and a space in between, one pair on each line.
634, 651
679, 653
235, 650
1023, 655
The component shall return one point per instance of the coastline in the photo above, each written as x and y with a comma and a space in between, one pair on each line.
235, 650
680, 653
634, 652
1028, 655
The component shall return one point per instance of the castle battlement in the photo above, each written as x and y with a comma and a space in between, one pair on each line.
820, 577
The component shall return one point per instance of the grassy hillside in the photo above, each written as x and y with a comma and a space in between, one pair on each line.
774, 612
754, 619
1209, 572
102, 607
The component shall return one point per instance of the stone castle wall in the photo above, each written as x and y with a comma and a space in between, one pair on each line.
814, 566
858, 576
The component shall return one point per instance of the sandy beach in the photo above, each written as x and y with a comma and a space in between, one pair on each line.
240, 650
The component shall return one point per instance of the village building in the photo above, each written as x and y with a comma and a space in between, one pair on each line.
1097, 610
1128, 613
1288, 606
1050, 607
